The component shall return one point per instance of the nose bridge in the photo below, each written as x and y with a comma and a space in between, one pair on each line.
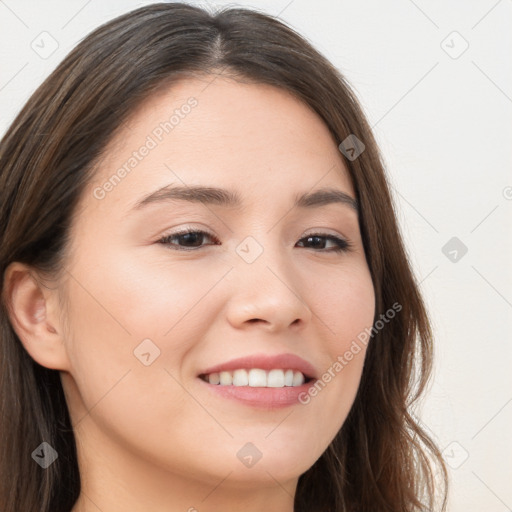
264, 286
260, 251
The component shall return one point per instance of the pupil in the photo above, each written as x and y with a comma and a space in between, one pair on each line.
317, 239
192, 236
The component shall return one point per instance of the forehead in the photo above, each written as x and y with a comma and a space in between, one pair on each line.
215, 131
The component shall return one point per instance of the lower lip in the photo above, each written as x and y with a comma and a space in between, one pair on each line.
264, 398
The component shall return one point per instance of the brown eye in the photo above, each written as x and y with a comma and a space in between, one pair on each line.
190, 239
319, 240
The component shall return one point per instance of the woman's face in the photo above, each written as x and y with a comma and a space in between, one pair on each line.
145, 318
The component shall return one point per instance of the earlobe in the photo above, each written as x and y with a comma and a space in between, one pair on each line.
34, 316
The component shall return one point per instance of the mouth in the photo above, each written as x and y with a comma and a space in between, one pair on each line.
257, 378
262, 381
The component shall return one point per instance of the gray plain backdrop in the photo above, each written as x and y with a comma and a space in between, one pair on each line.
436, 84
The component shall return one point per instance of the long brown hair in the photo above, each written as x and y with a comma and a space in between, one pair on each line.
381, 459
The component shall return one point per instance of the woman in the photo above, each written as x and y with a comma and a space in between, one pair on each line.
206, 302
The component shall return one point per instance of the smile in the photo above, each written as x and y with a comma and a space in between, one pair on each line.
257, 378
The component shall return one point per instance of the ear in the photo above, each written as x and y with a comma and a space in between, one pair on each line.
34, 312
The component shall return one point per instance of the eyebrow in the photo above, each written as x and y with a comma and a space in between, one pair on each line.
231, 199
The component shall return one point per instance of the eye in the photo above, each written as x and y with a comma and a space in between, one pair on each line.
321, 238
192, 241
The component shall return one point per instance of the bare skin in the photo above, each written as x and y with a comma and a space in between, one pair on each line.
154, 437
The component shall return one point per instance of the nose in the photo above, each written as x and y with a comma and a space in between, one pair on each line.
267, 292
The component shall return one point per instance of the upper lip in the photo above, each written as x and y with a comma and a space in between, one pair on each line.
266, 362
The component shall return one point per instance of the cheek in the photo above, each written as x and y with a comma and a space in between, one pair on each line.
158, 294
356, 312
120, 302
126, 298
346, 308
114, 311
344, 302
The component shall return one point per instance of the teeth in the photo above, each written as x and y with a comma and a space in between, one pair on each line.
257, 378
226, 378
240, 378
214, 378
298, 379
275, 379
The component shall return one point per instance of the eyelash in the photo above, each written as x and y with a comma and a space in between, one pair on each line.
343, 245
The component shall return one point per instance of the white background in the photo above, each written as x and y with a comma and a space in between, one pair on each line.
444, 126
